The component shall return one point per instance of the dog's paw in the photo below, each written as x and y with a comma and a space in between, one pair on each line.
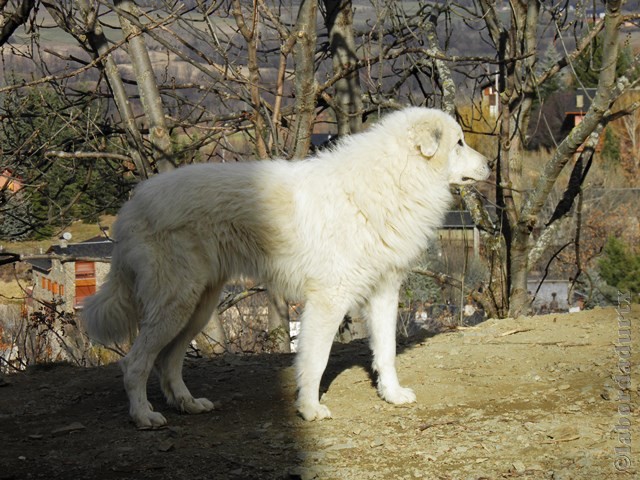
196, 405
314, 412
148, 420
398, 395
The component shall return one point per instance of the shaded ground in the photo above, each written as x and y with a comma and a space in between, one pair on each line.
532, 398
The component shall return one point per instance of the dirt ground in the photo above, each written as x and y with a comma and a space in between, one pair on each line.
533, 398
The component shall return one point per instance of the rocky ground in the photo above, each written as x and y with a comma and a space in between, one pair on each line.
533, 398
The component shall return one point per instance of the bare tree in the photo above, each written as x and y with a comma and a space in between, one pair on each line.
519, 84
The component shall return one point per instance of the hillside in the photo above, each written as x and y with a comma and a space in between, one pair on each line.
532, 398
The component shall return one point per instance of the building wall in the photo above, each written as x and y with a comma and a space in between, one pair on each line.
460, 240
54, 287
62, 279
102, 269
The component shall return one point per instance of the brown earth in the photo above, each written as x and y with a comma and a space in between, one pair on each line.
533, 398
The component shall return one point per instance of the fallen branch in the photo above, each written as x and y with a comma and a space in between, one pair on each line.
513, 332
560, 440
233, 298
439, 277
439, 423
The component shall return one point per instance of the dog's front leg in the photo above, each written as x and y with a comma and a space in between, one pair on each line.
319, 324
381, 312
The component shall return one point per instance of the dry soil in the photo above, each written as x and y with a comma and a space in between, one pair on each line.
544, 397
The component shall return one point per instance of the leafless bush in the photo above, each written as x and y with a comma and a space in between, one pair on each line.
44, 336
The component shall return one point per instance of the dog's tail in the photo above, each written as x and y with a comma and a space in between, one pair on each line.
110, 316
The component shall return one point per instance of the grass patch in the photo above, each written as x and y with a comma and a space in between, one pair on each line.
79, 233
10, 292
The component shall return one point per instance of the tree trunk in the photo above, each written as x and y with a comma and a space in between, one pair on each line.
99, 43
279, 335
9, 23
147, 86
250, 34
213, 339
305, 88
348, 94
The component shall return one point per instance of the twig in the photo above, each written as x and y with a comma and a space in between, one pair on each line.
513, 332
20, 257
233, 298
426, 426
92, 155
560, 440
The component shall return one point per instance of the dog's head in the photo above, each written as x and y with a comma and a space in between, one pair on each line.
439, 139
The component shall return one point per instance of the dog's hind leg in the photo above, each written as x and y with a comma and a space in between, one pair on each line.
319, 324
170, 360
160, 325
381, 312
137, 366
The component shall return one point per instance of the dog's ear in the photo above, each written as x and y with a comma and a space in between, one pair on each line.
428, 140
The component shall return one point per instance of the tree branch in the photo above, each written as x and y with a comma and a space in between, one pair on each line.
25, 257
13, 21
600, 105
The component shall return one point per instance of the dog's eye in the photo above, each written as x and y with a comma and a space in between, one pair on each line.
460, 143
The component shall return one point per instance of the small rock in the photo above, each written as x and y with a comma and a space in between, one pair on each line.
326, 442
73, 427
378, 442
342, 446
519, 466
166, 446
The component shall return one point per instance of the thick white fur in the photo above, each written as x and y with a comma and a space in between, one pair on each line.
338, 230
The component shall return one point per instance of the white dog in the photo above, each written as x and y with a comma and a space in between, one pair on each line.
338, 230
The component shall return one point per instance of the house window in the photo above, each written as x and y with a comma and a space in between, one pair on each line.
62, 290
85, 281
54, 288
44, 283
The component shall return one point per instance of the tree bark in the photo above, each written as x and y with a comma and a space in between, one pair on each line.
10, 22
348, 93
99, 44
147, 85
250, 34
279, 335
305, 82
444, 76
